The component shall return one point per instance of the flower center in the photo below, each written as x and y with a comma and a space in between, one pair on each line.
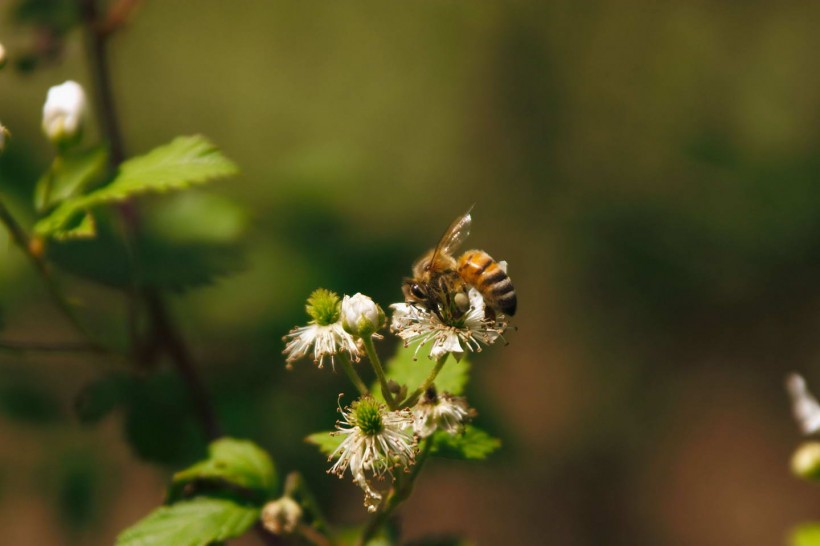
368, 416
323, 307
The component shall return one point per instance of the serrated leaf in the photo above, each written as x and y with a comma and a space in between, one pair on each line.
196, 522
327, 442
68, 175
404, 370
175, 166
807, 534
238, 462
472, 444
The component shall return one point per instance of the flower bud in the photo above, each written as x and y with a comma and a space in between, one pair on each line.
806, 461
361, 316
281, 516
64, 112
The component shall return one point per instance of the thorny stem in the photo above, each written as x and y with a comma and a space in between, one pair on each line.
400, 492
413, 398
21, 239
352, 374
377, 367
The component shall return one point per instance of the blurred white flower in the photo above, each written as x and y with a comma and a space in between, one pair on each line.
376, 441
322, 341
4, 134
64, 112
360, 315
414, 323
281, 517
805, 407
2, 56
440, 411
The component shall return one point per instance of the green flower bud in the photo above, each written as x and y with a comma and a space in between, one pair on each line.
323, 307
361, 316
367, 415
806, 461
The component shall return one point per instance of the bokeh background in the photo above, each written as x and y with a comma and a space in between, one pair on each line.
650, 171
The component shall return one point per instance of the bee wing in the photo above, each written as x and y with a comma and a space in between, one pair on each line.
805, 407
454, 237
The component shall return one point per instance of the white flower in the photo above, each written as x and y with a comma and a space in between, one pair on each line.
322, 341
440, 411
64, 111
360, 315
281, 516
805, 407
413, 323
376, 441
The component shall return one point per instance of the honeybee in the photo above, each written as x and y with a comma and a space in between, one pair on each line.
440, 281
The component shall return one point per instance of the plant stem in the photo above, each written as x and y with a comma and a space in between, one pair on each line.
401, 491
377, 367
21, 239
352, 374
411, 400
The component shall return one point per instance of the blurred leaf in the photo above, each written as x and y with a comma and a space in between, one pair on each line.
197, 522
387, 536
69, 175
78, 498
28, 400
59, 15
100, 397
807, 534
238, 462
160, 424
180, 266
196, 216
403, 369
472, 444
326, 441
175, 166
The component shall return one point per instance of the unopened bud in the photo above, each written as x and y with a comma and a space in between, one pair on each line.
64, 112
281, 517
361, 316
806, 461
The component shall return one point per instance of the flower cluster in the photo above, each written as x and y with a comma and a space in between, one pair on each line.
376, 441
416, 324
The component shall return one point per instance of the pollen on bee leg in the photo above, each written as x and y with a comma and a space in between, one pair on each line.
462, 301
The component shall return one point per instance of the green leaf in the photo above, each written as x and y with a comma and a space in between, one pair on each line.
102, 396
69, 175
326, 441
175, 166
238, 462
197, 522
404, 370
807, 534
472, 444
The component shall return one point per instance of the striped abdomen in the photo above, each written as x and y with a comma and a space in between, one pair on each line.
478, 269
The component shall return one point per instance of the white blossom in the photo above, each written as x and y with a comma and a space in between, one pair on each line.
321, 340
64, 111
376, 442
414, 323
440, 411
805, 407
360, 315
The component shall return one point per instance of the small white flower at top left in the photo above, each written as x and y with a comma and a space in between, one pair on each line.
64, 112
324, 335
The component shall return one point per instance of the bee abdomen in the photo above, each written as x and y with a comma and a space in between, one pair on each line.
477, 268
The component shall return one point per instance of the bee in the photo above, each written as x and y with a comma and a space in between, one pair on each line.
440, 281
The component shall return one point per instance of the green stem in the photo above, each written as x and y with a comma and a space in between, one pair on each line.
413, 398
401, 491
377, 367
352, 374
21, 239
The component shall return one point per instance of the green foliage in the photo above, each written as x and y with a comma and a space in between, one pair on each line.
102, 396
26, 399
238, 462
404, 370
807, 534
327, 442
196, 522
175, 166
69, 175
472, 444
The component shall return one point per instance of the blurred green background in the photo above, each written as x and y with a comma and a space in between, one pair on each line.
650, 171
